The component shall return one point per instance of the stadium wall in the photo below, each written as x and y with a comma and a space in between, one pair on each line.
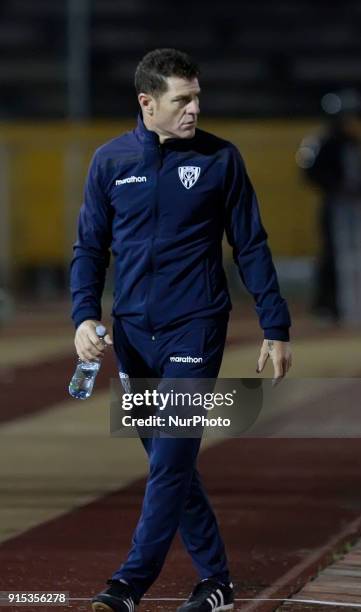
47, 163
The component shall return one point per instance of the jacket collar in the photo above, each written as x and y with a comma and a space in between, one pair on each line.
150, 138
144, 135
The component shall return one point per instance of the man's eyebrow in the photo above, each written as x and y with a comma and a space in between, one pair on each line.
183, 96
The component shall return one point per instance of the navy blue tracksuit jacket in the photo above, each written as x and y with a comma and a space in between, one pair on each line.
162, 209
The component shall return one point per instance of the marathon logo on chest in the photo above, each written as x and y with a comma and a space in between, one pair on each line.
131, 179
186, 359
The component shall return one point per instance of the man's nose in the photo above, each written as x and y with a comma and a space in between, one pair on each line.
193, 108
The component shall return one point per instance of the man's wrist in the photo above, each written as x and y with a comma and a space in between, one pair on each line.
85, 315
277, 333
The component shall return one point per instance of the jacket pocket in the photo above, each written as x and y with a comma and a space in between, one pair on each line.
207, 280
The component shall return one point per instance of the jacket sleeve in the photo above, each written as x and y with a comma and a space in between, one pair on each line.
91, 254
251, 254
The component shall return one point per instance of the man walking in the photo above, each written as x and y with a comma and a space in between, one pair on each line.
160, 197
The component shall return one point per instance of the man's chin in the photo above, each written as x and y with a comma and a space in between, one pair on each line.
188, 132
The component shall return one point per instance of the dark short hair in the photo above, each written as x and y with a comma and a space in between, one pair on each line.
157, 65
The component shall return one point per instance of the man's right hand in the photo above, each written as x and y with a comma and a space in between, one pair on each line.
88, 345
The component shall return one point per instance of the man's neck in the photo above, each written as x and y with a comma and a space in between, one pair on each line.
149, 125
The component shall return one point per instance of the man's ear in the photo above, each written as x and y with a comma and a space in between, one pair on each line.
146, 103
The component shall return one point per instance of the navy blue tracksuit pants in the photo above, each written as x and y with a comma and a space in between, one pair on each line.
174, 496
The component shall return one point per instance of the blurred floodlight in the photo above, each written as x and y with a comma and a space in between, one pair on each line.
346, 101
311, 141
307, 152
305, 157
331, 103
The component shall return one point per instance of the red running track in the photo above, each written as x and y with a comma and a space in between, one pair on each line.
278, 501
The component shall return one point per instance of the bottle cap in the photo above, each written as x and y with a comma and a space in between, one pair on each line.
100, 331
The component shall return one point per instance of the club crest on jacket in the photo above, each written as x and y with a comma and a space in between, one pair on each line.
189, 175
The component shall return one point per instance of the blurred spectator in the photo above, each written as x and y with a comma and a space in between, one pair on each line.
6, 307
332, 162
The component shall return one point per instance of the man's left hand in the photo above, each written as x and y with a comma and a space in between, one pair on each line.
280, 353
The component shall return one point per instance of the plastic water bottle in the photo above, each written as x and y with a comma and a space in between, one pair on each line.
82, 382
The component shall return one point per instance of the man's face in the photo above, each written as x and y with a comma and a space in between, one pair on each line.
175, 112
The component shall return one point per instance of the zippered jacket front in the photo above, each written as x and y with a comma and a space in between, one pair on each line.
162, 210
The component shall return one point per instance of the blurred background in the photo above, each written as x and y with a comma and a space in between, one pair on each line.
66, 77
281, 80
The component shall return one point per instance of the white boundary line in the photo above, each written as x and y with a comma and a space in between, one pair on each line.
286, 601
324, 603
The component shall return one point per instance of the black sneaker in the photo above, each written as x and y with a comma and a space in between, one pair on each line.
117, 598
209, 596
